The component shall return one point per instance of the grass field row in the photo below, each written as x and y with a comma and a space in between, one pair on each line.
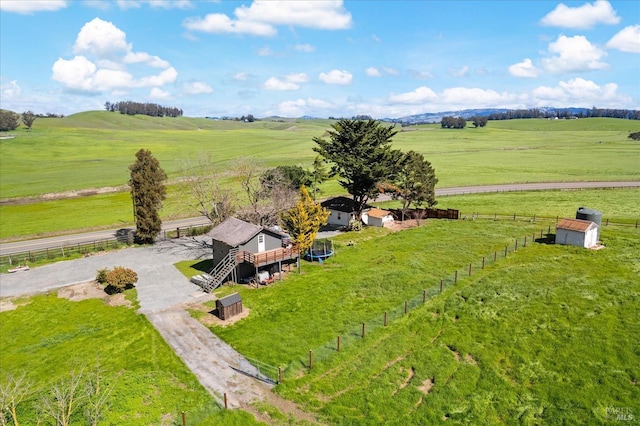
114, 210
94, 149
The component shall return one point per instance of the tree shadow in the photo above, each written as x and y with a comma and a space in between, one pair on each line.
125, 235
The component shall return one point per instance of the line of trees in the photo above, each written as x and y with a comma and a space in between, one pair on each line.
450, 122
9, 120
140, 108
566, 113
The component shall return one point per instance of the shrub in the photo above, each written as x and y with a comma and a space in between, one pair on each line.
355, 225
120, 279
101, 276
635, 136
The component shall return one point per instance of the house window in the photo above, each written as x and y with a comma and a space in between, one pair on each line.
339, 216
260, 239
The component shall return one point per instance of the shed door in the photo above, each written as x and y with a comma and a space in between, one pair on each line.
261, 243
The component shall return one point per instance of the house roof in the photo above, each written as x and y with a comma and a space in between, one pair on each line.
378, 213
231, 299
234, 232
341, 204
576, 225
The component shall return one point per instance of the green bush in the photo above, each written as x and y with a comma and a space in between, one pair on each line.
120, 279
101, 276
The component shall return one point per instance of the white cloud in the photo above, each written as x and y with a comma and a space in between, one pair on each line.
373, 72
420, 75
574, 54
579, 91
196, 88
307, 48
463, 97
420, 95
585, 16
164, 4
26, 7
265, 51
262, 17
289, 82
159, 94
390, 71
339, 77
459, 72
300, 107
112, 55
524, 69
241, 76
627, 40
11, 90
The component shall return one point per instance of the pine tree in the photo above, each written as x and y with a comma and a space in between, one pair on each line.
304, 220
147, 192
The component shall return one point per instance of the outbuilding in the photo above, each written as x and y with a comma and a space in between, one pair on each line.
577, 232
229, 306
342, 210
377, 217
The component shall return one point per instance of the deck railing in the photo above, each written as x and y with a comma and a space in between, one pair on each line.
269, 257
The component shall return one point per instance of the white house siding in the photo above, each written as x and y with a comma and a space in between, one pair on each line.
577, 238
338, 218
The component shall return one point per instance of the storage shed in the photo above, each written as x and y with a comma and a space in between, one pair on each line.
342, 210
229, 306
577, 232
377, 217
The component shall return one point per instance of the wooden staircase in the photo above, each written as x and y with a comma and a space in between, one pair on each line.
221, 271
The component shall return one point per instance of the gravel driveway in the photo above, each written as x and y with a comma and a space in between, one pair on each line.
162, 292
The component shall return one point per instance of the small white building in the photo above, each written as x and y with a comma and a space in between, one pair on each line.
341, 210
377, 217
577, 232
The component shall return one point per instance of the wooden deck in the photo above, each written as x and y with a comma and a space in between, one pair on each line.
268, 257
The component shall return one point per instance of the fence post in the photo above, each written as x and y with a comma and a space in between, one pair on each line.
525, 241
534, 218
636, 223
310, 359
363, 330
441, 286
406, 307
470, 269
424, 296
338, 343
184, 420
385, 318
514, 216
178, 232
505, 250
225, 401
482, 262
516, 246
607, 222
549, 229
495, 256
455, 278
279, 374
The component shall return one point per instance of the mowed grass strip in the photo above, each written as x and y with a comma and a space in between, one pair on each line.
48, 338
546, 336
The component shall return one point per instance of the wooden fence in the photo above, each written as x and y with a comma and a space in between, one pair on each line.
425, 214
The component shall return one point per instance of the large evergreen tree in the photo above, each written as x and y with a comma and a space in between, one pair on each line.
361, 155
147, 192
416, 181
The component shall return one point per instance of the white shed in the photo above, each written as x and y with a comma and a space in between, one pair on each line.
377, 217
577, 232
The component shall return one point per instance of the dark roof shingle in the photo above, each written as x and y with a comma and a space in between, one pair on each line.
234, 232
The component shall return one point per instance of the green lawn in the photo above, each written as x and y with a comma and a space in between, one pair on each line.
48, 338
545, 335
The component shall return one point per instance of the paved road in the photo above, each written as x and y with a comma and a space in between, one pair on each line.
70, 240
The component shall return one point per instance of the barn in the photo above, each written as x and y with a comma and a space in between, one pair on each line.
229, 306
577, 232
377, 217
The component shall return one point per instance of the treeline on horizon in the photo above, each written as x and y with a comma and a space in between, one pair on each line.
628, 114
142, 108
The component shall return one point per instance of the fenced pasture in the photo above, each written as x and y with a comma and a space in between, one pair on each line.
521, 329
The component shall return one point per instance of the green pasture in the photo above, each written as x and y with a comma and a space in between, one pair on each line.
545, 335
48, 338
94, 149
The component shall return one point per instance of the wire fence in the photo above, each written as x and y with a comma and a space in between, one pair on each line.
358, 332
534, 218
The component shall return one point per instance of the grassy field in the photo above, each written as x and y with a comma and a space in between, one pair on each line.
93, 149
48, 338
544, 335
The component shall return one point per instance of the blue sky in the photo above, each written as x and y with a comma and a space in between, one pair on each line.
318, 58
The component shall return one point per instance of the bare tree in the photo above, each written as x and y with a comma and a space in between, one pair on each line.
65, 398
204, 191
97, 393
13, 390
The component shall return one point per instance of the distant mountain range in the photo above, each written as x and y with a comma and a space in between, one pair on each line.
436, 117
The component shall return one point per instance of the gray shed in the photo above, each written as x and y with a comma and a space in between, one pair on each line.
576, 232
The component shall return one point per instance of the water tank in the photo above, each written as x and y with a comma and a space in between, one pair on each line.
595, 216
